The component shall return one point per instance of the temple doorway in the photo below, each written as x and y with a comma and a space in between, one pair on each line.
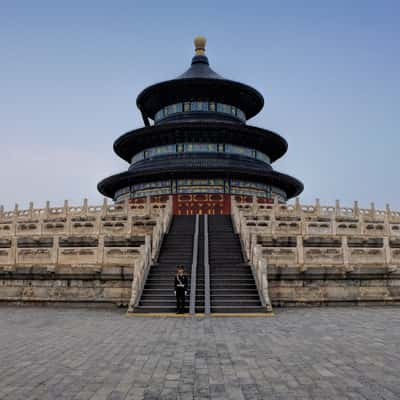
192, 204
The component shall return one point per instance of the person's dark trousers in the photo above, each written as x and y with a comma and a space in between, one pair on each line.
180, 301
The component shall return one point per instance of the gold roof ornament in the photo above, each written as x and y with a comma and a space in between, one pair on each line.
200, 45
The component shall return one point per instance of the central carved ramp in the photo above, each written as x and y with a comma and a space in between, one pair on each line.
177, 248
232, 285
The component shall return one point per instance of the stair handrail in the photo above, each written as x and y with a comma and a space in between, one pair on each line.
253, 253
192, 304
207, 302
140, 270
164, 226
260, 271
149, 250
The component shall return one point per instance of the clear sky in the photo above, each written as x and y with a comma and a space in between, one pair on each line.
70, 72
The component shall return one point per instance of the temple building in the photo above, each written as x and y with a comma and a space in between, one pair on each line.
196, 145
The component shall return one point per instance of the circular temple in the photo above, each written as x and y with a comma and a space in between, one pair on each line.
199, 149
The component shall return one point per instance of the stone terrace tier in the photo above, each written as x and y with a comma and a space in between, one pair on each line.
95, 254
321, 254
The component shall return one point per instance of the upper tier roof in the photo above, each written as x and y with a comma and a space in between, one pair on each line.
200, 82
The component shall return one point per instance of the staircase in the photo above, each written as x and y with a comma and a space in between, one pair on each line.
232, 285
177, 248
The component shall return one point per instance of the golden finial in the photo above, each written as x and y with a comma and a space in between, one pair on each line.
200, 45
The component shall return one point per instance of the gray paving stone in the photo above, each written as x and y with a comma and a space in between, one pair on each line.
313, 353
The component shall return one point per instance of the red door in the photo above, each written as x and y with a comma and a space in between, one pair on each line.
192, 204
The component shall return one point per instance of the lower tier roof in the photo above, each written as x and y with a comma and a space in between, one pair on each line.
202, 166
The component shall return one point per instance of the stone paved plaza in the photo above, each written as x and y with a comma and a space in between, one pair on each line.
314, 353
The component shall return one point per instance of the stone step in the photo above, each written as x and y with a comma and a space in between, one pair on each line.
238, 309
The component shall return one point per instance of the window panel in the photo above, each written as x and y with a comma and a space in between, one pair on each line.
171, 109
241, 115
137, 157
200, 148
263, 157
179, 148
188, 147
197, 106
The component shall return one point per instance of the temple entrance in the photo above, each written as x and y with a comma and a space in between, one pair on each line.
192, 204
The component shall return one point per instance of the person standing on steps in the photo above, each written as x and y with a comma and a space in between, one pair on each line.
181, 283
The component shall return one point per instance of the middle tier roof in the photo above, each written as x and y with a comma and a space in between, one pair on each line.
268, 142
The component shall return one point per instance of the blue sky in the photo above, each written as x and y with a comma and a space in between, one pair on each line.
70, 73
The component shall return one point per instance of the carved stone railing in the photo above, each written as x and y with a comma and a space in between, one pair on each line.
353, 236
260, 271
146, 209
317, 210
140, 272
84, 241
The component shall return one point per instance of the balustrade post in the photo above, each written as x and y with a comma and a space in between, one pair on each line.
148, 209
318, 206
334, 224
56, 246
386, 220
373, 211
337, 208
300, 252
47, 209
147, 241
386, 249
65, 208
254, 204
126, 206
104, 207
297, 205
100, 250
346, 255
30, 209
14, 251
85, 206
356, 209
252, 243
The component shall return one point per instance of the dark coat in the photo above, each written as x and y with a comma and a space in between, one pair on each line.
181, 283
